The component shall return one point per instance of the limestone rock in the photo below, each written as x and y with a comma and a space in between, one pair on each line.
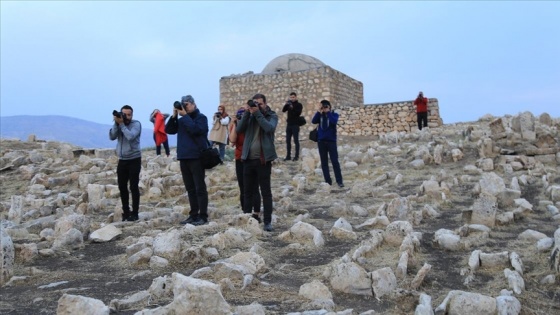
70, 304
105, 234
7, 255
194, 296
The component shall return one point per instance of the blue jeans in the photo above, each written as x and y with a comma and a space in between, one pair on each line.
193, 177
255, 176
326, 149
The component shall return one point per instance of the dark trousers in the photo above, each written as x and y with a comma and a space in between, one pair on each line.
256, 195
257, 175
129, 171
165, 146
422, 119
326, 149
193, 177
292, 130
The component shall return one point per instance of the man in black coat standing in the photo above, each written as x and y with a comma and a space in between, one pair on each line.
294, 109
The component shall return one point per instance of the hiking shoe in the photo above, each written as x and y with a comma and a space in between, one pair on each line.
199, 221
189, 220
267, 227
287, 158
125, 216
132, 217
295, 159
341, 185
257, 217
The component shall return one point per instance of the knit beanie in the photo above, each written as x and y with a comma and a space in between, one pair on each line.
188, 99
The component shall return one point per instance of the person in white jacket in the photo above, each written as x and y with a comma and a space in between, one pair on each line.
219, 133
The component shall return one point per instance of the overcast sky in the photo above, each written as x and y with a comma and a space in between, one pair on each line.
84, 59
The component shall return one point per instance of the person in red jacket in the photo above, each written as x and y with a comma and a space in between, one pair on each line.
421, 104
160, 137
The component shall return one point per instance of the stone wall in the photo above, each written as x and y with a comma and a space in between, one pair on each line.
311, 86
314, 85
376, 119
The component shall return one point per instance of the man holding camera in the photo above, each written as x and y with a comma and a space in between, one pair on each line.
127, 132
258, 123
237, 140
294, 109
421, 104
191, 130
326, 136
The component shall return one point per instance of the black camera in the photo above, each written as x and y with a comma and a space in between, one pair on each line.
117, 114
325, 105
178, 105
218, 114
252, 103
288, 102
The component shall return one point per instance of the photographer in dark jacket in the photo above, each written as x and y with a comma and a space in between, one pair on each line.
191, 130
294, 109
258, 123
326, 135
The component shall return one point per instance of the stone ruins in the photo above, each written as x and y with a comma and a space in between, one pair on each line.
314, 81
459, 219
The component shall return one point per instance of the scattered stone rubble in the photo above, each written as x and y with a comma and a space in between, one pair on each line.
426, 219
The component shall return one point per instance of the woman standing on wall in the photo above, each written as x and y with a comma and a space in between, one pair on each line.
219, 132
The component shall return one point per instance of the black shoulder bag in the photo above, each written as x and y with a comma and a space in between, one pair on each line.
210, 157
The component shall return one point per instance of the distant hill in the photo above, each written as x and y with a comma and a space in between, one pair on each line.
83, 133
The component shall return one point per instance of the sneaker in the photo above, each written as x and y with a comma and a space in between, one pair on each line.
267, 227
341, 185
199, 221
132, 217
189, 220
295, 159
257, 217
287, 158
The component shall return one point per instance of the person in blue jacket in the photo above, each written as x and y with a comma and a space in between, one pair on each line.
192, 131
326, 136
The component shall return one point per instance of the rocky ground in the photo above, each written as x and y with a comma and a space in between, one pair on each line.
390, 178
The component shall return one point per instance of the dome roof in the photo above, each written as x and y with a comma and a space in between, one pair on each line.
292, 62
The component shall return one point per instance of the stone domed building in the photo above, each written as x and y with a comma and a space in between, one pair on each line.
314, 81
309, 77
292, 62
